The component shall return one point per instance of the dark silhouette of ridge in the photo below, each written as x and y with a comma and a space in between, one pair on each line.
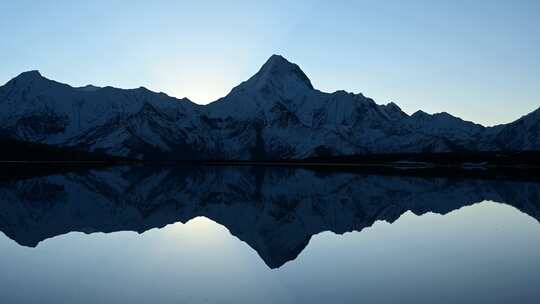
274, 210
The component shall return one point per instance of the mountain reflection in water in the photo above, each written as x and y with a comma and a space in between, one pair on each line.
276, 211
485, 252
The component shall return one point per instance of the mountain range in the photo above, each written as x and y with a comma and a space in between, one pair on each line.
276, 114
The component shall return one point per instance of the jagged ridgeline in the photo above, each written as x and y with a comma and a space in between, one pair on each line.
274, 115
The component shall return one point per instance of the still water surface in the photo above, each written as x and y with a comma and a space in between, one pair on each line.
246, 235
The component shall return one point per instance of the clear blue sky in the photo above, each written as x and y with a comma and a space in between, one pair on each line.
478, 59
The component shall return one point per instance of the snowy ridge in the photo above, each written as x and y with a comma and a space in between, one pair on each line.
276, 114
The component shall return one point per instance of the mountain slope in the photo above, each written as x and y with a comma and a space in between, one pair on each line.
521, 135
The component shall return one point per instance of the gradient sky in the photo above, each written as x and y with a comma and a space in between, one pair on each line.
479, 60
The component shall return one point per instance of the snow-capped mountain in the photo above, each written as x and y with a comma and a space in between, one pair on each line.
120, 122
276, 114
296, 121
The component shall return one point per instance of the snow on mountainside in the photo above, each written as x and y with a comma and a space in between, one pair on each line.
276, 114
120, 122
297, 121
522, 134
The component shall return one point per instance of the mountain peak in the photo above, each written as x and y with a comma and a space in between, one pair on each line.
89, 88
392, 105
420, 114
280, 71
30, 75
26, 78
31, 72
276, 60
